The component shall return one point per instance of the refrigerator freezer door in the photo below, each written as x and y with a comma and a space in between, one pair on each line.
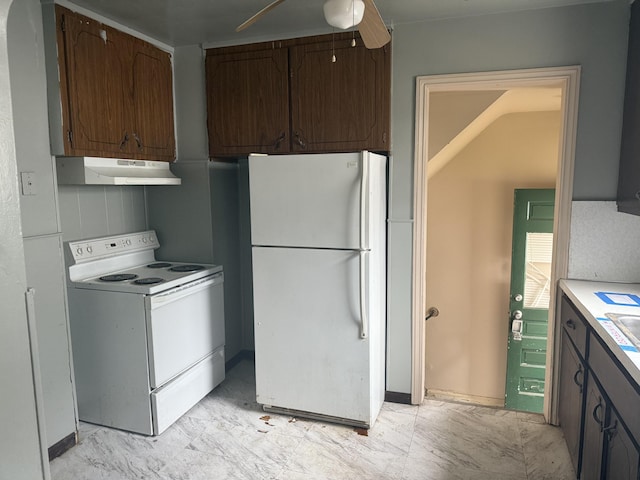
306, 200
309, 353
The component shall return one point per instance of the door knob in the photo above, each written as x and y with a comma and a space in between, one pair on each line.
432, 312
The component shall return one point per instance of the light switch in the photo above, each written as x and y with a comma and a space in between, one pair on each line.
28, 180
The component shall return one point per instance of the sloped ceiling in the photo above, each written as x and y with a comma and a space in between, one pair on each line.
489, 106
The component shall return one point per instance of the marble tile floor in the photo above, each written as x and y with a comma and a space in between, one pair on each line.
228, 436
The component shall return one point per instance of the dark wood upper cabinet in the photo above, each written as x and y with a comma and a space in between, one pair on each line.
248, 102
629, 173
343, 105
152, 100
116, 92
290, 97
93, 74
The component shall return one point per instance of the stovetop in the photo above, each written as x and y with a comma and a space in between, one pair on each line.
146, 279
126, 263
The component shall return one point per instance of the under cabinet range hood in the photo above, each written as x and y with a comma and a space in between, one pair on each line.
113, 171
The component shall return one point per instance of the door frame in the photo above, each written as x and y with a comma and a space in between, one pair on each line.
567, 78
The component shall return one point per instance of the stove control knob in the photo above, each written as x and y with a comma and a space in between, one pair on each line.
151, 239
79, 250
89, 249
144, 239
128, 242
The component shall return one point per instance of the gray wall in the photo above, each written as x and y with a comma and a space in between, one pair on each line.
20, 451
225, 230
593, 36
191, 103
181, 214
88, 211
40, 227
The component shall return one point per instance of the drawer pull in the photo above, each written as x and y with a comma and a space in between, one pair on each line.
571, 324
575, 378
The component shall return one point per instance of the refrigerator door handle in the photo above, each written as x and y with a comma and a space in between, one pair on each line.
364, 314
364, 244
364, 204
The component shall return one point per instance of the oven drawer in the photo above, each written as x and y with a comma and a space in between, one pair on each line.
183, 327
175, 398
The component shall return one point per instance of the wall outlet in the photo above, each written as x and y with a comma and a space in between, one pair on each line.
28, 180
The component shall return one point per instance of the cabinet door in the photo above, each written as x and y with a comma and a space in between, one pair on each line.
594, 418
342, 105
92, 69
248, 102
152, 136
622, 455
629, 172
572, 377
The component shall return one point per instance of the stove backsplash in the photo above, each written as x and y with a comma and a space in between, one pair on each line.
95, 211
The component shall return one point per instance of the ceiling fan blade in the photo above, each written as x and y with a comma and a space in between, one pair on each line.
257, 16
372, 29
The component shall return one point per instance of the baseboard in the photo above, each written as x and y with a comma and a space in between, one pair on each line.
63, 445
397, 397
447, 396
242, 355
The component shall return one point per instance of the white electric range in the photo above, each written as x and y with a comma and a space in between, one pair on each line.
147, 335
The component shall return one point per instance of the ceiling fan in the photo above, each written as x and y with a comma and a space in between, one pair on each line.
344, 14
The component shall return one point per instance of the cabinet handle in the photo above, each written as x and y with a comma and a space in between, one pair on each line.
571, 324
575, 378
124, 141
299, 140
138, 141
611, 430
595, 414
278, 141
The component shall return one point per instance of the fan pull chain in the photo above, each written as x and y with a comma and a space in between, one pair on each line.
333, 46
353, 16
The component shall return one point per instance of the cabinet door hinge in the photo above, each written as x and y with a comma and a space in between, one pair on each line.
70, 136
62, 26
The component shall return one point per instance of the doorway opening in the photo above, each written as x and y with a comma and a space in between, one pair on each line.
484, 102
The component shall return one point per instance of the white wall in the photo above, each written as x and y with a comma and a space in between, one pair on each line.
592, 35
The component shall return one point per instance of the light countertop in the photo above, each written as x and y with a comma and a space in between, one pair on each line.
593, 300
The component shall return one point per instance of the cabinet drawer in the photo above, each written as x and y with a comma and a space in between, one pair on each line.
574, 325
619, 388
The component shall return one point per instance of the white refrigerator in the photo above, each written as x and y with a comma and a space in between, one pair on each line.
318, 234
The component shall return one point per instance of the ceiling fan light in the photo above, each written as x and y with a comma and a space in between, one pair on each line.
343, 14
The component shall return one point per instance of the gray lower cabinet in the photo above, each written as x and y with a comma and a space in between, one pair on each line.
592, 440
621, 454
598, 409
572, 376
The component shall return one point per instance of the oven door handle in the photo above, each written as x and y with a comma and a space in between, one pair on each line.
161, 299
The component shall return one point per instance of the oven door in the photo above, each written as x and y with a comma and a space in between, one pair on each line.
184, 325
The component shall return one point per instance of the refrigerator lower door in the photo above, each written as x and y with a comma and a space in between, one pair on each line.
310, 356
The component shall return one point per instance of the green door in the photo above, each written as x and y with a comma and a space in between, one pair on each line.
529, 299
